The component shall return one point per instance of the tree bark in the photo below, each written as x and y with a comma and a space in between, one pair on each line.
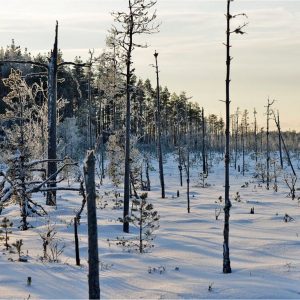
93, 258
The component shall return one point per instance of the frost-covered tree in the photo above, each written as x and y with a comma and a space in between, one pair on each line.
116, 155
25, 120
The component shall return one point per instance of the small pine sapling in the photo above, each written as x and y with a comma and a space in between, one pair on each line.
146, 219
6, 224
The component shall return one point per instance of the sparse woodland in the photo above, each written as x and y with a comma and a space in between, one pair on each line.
99, 166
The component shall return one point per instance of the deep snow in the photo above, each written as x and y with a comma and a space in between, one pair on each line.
188, 248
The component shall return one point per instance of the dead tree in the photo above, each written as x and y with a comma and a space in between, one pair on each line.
243, 149
279, 141
255, 135
238, 30
158, 125
204, 171
236, 137
52, 68
134, 22
268, 143
93, 258
294, 176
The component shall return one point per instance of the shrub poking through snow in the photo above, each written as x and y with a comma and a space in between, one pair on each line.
18, 245
219, 207
288, 218
52, 246
237, 197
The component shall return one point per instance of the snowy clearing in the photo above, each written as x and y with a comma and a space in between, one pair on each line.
187, 257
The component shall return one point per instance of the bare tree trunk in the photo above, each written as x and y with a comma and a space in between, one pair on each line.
285, 148
147, 175
204, 171
243, 151
76, 242
90, 139
236, 138
127, 136
279, 141
52, 99
188, 171
226, 257
255, 135
268, 143
158, 124
93, 258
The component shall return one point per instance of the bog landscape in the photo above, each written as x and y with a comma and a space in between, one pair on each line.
116, 182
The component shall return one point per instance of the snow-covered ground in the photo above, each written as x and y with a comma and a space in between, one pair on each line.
188, 248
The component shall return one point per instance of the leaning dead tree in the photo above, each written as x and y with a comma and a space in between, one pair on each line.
284, 145
238, 30
51, 68
136, 21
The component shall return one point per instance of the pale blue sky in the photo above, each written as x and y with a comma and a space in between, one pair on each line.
266, 60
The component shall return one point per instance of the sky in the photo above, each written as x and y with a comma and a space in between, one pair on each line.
266, 61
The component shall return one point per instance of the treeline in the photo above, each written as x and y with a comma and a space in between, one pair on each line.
94, 108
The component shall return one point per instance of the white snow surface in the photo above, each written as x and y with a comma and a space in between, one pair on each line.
264, 250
